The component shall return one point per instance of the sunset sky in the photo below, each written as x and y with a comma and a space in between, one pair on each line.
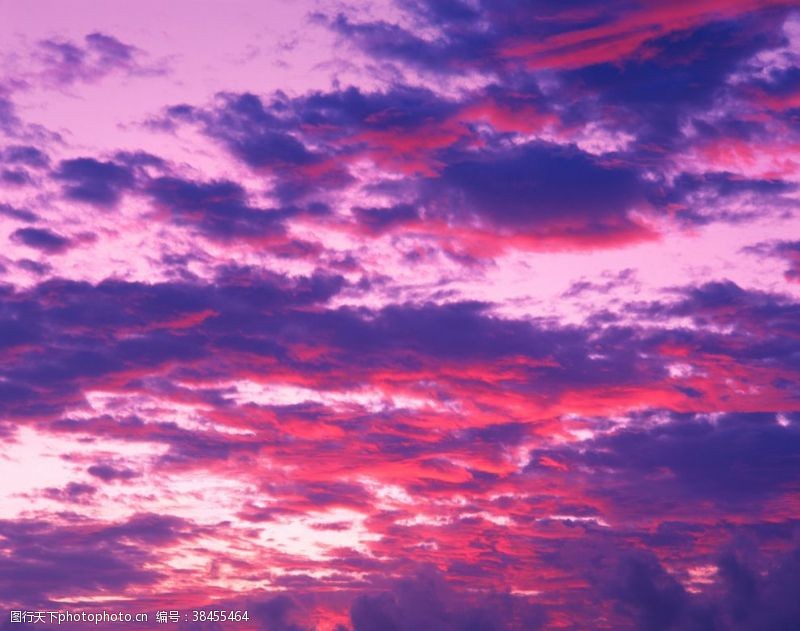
405, 315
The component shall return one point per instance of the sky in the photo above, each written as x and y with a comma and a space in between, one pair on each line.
406, 315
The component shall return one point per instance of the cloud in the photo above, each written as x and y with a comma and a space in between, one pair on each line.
454, 332
41, 239
9, 121
788, 251
426, 602
20, 214
503, 36
25, 155
238, 113
93, 181
65, 62
218, 209
42, 558
110, 473
379, 220
740, 460
87, 326
542, 190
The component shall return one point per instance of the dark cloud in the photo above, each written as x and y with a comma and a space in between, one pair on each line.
73, 492
41, 239
735, 460
42, 559
9, 121
149, 529
110, 49
763, 601
677, 74
427, 603
651, 73
380, 220
67, 62
540, 187
85, 334
388, 41
629, 587
110, 473
83, 327
352, 110
274, 135
21, 158
708, 197
789, 251
15, 177
769, 315
609, 530
35, 267
746, 600
218, 209
93, 181
553, 191
653, 598
507, 37
276, 614
254, 133
20, 214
